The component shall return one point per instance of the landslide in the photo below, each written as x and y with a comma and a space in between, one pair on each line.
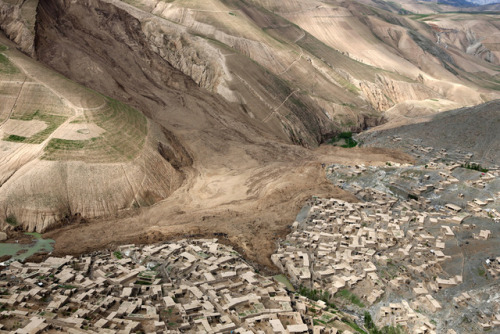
243, 176
228, 87
156, 66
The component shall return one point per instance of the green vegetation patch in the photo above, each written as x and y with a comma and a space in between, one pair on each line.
15, 138
421, 17
474, 166
316, 295
348, 295
143, 283
65, 144
11, 220
412, 196
52, 121
348, 140
372, 329
6, 66
35, 235
67, 286
123, 139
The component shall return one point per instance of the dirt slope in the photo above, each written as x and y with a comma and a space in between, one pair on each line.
253, 207
470, 130
241, 175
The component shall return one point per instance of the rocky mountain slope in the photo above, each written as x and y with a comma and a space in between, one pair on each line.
17, 21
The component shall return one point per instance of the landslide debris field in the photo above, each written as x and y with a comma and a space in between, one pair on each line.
76, 152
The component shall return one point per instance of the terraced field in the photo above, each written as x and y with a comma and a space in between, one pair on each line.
52, 122
56, 135
41, 115
125, 131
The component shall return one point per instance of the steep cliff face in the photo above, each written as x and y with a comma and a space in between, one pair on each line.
475, 38
17, 20
384, 93
91, 21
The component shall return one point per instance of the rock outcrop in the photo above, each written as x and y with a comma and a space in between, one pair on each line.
17, 21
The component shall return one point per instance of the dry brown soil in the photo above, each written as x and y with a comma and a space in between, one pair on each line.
253, 222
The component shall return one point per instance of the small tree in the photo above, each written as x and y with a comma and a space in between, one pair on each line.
11, 220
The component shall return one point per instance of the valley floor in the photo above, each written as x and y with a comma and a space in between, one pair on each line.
413, 247
253, 209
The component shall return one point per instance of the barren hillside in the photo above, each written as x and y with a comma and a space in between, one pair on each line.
469, 130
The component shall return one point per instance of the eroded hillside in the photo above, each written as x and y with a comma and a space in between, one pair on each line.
66, 150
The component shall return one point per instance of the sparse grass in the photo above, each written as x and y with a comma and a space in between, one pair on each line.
420, 17
353, 325
350, 105
390, 330
6, 66
283, 279
67, 286
346, 294
65, 144
52, 121
124, 136
35, 235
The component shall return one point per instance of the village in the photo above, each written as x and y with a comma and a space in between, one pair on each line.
190, 286
416, 254
398, 254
